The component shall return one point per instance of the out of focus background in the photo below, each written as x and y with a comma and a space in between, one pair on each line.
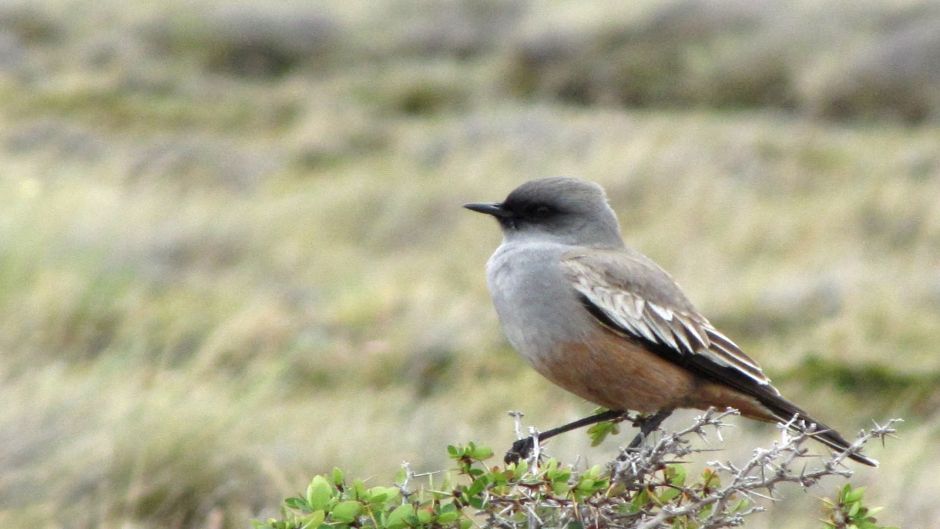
232, 252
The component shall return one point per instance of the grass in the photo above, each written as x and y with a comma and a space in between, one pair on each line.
214, 284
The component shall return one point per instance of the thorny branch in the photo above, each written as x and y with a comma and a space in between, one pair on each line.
715, 505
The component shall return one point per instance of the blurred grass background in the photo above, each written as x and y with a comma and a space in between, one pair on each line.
232, 253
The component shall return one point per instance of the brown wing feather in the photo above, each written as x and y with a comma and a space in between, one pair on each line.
632, 296
616, 283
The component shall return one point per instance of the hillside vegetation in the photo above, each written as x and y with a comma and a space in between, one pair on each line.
232, 253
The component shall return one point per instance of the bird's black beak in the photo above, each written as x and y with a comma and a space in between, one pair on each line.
493, 208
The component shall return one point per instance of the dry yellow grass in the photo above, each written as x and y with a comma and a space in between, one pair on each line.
215, 282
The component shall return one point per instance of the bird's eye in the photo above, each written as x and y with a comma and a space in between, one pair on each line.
542, 211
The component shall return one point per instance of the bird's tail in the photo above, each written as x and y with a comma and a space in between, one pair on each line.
785, 411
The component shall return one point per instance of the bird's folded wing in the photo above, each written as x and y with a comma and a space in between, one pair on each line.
632, 296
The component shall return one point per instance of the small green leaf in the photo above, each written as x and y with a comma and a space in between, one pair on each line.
313, 520
594, 472
601, 430
710, 479
358, 491
551, 465
346, 511
297, 504
399, 517
475, 502
854, 495
337, 476
382, 494
586, 484
448, 517
319, 493
847, 488
640, 500
481, 452
668, 495
853, 510
676, 475
424, 516
477, 486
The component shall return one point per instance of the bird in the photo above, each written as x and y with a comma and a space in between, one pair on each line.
603, 321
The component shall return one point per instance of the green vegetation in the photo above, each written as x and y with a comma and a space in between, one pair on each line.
232, 254
850, 511
644, 488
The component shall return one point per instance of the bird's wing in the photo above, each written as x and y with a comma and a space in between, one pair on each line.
631, 295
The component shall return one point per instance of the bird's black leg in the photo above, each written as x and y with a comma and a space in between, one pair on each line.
522, 447
647, 425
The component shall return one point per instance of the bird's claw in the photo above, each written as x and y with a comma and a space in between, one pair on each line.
519, 450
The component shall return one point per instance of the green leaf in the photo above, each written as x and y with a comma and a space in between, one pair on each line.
601, 430
297, 504
424, 516
319, 493
560, 487
358, 490
382, 494
668, 495
594, 472
676, 475
399, 517
477, 486
710, 479
481, 452
337, 477
346, 511
854, 495
313, 520
475, 501
448, 517
639, 501
847, 488
853, 510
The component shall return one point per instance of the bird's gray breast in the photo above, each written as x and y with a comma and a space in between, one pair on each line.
537, 306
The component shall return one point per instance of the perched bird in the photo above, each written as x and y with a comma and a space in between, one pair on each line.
606, 323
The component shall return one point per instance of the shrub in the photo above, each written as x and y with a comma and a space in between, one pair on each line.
897, 76
646, 488
251, 41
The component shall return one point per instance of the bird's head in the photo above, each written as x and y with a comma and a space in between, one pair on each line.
559, 209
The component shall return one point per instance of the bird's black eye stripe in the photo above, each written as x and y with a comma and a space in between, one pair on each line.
540, 211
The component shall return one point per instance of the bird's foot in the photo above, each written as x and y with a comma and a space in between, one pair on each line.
520, 450
647, 424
